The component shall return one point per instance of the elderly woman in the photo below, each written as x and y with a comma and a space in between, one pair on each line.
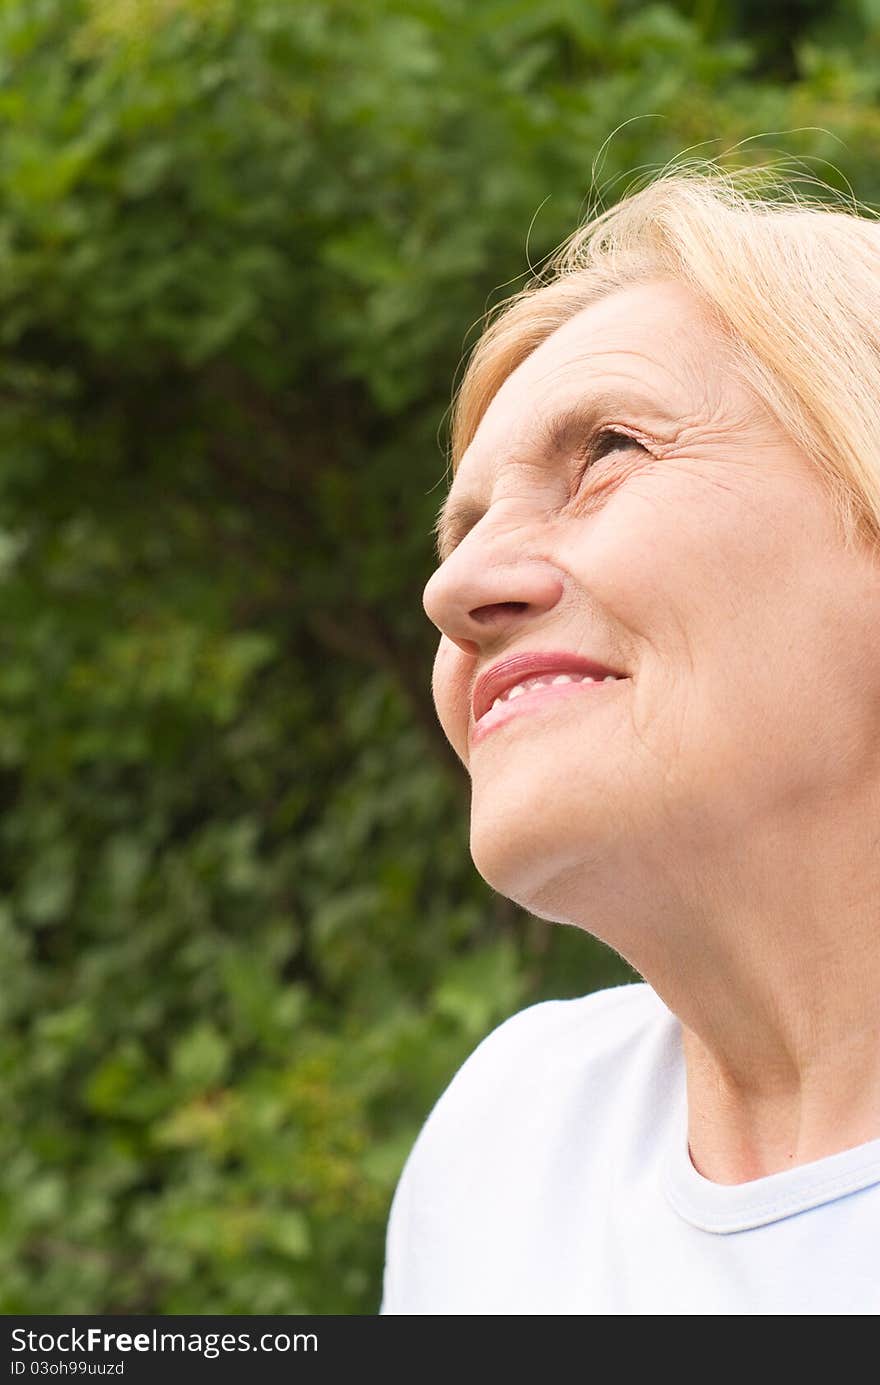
659, 606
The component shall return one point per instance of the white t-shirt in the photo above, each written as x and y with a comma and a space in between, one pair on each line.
553, 1177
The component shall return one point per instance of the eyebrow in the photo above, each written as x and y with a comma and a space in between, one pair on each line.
551, 436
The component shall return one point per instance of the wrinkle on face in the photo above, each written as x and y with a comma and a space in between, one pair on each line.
714, 818
663, 555
682, 407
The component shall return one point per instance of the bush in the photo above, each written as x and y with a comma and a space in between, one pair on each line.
241, 246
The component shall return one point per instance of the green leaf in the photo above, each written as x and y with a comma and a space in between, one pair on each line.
200, 1056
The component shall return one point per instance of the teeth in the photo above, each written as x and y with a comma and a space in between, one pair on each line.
545, 681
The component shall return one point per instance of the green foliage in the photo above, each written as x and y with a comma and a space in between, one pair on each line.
242, 243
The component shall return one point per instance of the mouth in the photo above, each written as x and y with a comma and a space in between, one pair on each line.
528, 680
535, 694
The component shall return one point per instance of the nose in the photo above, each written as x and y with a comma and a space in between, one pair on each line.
476, 602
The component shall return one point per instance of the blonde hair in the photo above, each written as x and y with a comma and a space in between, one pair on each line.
793, 281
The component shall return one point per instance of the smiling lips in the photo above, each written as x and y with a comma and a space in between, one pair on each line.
522, 674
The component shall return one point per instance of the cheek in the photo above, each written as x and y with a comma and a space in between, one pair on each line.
450, 685
748, 675
696, 574
684, 556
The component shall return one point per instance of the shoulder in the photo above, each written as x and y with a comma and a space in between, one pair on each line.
606, 1016
538, 1060
565, 1036
535, 1087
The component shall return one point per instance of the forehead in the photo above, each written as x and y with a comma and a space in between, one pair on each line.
650, 344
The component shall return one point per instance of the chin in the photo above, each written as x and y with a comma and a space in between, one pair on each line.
526, 862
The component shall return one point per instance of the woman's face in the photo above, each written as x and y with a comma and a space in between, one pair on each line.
698, 557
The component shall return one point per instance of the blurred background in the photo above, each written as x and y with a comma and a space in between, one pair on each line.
244, 246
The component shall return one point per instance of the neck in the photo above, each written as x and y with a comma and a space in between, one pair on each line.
774, 973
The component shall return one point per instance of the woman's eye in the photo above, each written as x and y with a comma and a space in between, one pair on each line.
608, 440
603, 444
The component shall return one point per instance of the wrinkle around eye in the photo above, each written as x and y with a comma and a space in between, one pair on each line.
461, 520
599, 476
